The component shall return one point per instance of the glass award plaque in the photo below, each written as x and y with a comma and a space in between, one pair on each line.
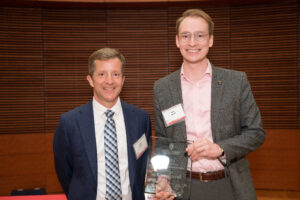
167, 169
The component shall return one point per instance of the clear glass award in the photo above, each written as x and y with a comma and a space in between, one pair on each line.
167, 169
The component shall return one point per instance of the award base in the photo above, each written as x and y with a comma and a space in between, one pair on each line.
167, 169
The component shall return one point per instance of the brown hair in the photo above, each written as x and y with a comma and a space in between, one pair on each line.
196, 13
105, 54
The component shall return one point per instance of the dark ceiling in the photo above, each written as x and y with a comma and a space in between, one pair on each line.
128, 3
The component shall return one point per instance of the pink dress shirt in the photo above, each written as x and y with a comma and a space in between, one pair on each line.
197, 103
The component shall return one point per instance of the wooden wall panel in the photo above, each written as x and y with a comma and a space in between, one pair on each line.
26, 161
298, 68
276, 163
21, 71
22, 171
264, 44
276, 180
14, 144
70, 37
175, 58
23, 161
142, 36
30, 181
52, 184
22, 164
220, 54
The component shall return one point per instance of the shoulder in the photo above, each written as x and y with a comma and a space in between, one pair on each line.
167, 79
229, 75
74, 112
129, 107
227, 72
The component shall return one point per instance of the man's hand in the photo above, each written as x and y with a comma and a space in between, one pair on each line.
164, 196
203, 148
163, 190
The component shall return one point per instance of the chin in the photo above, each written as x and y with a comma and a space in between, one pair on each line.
111, 100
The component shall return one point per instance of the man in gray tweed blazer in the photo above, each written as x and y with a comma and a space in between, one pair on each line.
213, 107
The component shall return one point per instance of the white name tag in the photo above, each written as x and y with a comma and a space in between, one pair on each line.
140, 146
173, 115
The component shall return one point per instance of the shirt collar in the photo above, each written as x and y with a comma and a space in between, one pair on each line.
102, 109
207, 72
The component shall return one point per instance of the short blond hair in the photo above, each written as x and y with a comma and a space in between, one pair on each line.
196, 13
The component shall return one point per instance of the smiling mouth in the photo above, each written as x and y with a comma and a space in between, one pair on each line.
109, 88
193, 50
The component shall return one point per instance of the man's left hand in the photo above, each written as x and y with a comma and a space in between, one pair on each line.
203, 148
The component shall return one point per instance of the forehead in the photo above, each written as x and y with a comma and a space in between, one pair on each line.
113, 64
193, 24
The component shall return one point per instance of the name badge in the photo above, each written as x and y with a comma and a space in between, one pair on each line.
173, 115
140, 146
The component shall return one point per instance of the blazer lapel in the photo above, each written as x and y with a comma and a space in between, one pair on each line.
131, 135
216, 98
175, 87
87, 129
177, 131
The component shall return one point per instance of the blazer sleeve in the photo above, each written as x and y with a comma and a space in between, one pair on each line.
251, 134
62, 155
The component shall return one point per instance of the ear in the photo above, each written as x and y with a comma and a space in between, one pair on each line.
90, 80
211, 40
123, 80
177, 41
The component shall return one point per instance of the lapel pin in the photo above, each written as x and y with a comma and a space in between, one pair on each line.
219, 82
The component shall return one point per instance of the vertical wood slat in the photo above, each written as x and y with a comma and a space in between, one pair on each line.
264, 44
70, 36
142, 37
21, 71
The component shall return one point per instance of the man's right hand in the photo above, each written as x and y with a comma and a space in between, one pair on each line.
164, 196
163, 190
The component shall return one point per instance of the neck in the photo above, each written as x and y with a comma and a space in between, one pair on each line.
195, 71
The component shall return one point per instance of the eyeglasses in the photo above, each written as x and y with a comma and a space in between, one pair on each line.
186, 37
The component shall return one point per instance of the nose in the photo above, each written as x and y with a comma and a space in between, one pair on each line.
109, 79
192, 41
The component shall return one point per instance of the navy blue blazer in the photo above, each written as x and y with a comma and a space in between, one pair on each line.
75, 154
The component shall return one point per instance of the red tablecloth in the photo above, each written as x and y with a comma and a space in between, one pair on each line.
36, 197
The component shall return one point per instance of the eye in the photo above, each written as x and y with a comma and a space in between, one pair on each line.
200, 35
116, 74
101, 74
185, 36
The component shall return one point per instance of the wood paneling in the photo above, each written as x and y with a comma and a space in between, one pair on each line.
14, 144
276, 163
69, 36
21, 71
26, 161
277, 195
142, 36
52, 184
9, 183
278, 157
264, 44
276, 179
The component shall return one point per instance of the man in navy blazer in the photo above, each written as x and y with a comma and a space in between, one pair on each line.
78, 142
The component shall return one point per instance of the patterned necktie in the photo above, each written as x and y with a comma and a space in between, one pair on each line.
113, 181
